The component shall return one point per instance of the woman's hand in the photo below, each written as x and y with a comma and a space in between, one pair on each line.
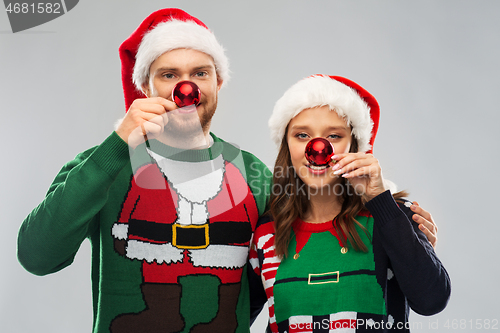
363, 172
426, 223
365, 175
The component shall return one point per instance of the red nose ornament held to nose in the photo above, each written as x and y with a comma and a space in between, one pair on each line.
319, 151
186, 93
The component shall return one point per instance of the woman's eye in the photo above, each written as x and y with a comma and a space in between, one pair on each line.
301, 135
334, 136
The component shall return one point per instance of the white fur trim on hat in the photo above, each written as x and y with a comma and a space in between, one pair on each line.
317, 91
176, 34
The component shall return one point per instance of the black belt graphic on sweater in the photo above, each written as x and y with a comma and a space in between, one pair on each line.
331, 277
192, 236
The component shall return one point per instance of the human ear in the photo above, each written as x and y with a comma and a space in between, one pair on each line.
219, 83
145, 89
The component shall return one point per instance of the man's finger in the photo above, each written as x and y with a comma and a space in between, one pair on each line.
430, 236
415, 207
422, 221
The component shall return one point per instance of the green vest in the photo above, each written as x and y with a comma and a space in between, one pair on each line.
323, 280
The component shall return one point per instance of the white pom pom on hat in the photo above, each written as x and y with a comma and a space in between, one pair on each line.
351, 101
162, 31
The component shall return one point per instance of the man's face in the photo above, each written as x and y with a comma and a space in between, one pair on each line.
186, 64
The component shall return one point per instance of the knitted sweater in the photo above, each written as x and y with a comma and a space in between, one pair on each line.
169, 241
324, 286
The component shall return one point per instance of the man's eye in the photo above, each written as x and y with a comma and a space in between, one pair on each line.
168, 75
201, 74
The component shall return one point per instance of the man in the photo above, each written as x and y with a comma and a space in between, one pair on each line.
169, 207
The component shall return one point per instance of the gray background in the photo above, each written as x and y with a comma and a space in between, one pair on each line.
432, 65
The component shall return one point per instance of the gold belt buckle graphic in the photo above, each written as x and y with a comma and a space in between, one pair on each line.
311, 276
176, 226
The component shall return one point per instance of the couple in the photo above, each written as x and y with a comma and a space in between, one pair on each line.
172, 211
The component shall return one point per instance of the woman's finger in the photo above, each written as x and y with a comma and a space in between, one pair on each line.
359, 172
353, 162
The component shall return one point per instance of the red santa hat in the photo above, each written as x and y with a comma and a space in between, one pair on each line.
351, 102
162, 31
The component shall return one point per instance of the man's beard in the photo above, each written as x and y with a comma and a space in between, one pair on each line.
189, 125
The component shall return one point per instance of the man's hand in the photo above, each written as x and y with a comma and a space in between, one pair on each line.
145, 118
426, 223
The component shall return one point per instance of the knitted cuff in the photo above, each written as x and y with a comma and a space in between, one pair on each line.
383, 208
112, 155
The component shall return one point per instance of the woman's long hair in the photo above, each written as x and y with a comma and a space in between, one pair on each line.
289, 200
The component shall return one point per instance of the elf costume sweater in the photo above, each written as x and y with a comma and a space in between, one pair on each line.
170, 231
325, 286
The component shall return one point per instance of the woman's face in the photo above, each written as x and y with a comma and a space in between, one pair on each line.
310, 124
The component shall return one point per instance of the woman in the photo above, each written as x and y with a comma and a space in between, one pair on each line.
341, 253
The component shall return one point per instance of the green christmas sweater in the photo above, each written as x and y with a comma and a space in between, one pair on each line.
170, 231
325, 286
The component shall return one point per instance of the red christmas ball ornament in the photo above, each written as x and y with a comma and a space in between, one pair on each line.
186, 93
319, 151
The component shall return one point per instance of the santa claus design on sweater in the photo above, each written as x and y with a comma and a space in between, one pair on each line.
185, 218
